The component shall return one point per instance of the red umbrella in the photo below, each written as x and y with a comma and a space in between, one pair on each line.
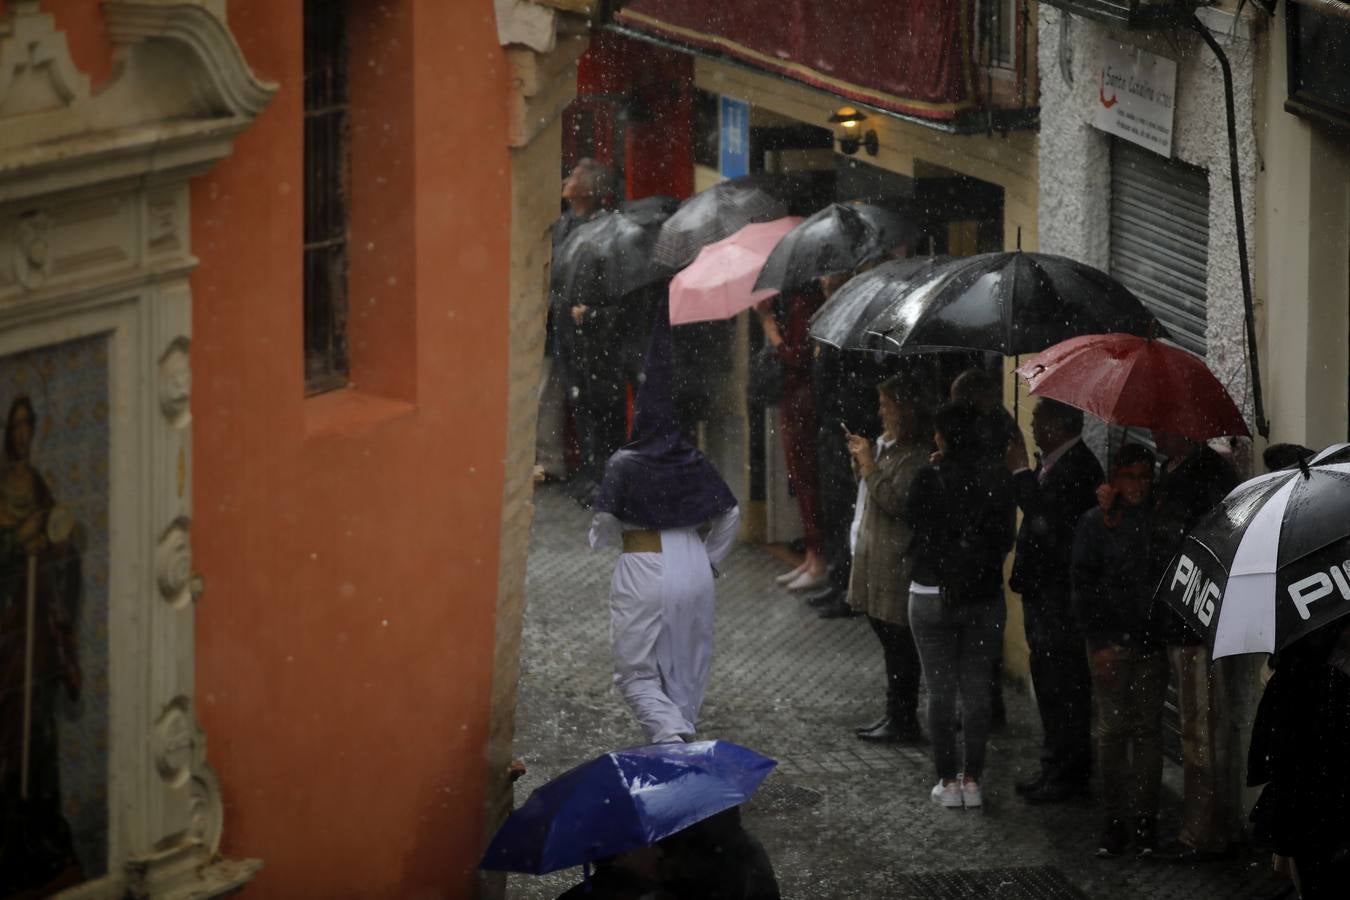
1137, 382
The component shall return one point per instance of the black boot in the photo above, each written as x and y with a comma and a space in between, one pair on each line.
900, 727
873, 726
825, 598
839, 609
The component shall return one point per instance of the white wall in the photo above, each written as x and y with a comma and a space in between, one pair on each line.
1075, 202
1302, 262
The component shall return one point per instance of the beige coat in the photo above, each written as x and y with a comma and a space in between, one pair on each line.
879, 585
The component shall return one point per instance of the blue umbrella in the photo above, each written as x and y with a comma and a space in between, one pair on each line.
624, 800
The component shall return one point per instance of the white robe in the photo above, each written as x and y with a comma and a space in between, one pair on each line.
661, 621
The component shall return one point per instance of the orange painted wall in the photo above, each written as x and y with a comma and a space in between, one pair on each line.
349, 542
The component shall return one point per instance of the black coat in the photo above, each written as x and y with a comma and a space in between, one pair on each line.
1112, 591
1180, 498
1299, 747
942, 500
561, 331
1050, 513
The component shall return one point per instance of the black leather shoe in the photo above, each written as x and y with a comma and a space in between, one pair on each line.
893, 732
1056, 792
884, 720
1145, 836
1026, 787
824, 599
1115, 838
839, 609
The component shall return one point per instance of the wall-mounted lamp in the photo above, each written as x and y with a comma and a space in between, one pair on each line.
851, 136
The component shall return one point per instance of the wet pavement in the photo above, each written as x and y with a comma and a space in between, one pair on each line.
839, 818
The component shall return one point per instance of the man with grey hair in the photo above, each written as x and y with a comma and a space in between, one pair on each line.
581, 191
1053, 497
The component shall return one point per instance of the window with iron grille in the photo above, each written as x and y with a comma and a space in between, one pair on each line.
327, 186
998, 32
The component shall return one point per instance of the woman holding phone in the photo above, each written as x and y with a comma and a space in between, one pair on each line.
880, 540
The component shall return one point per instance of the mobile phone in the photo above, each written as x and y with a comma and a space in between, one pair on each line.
845, 427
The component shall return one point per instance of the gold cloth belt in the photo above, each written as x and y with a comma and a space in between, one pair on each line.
642, 541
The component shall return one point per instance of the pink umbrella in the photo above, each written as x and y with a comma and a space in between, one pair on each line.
721, 281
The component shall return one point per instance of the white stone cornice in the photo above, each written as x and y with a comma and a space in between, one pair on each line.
177, 68
180, 91
41, 92
213, 57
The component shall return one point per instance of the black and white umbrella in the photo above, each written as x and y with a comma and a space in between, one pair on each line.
1271, 563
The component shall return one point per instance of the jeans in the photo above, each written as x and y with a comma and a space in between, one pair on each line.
957, 645
1129, 686
1059, 672
902, 671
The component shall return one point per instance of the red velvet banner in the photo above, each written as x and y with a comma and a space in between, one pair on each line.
912, 57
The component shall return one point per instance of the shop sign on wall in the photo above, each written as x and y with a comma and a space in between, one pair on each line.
735, 138
1136, 96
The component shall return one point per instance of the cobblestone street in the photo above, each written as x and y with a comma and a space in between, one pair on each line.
838, 817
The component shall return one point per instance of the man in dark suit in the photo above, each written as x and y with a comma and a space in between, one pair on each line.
1052, 497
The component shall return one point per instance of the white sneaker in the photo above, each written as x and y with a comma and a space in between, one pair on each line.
971, 795
808, 582
948, 795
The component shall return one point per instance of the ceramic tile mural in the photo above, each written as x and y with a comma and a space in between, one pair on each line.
68, 410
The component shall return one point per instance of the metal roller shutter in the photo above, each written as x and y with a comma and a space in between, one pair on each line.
1160, 237
1160, 250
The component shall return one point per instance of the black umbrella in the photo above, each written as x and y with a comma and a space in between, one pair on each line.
838, 238
846, 318
650, 211
713, 214
1011, 303
606, 258
1269, 564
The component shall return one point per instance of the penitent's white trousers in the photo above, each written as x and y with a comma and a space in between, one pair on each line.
661, 622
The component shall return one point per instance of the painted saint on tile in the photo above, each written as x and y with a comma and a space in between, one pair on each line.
53, 720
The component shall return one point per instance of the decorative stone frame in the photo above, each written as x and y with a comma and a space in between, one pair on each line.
95, 240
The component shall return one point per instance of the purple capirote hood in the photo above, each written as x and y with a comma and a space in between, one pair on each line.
658, 479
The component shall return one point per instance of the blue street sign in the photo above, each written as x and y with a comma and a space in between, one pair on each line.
735, 138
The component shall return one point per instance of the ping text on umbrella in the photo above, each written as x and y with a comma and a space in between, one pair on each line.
1317, 586
1200, 593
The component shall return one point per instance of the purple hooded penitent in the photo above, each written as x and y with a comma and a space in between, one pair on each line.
659, 480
